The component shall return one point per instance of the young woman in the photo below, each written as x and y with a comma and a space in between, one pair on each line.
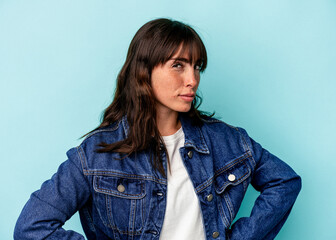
156, 167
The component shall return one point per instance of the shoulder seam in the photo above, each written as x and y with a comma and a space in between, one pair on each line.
101, 130
246, 144
214, 120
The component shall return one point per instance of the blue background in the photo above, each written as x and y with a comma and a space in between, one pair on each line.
271, 71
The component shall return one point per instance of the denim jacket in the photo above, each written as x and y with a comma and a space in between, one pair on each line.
126, 199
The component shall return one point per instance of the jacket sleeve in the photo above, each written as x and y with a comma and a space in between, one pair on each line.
58, 199
279, 187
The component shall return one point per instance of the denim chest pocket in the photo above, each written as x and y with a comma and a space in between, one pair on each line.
233, 175
120, 203
230, 184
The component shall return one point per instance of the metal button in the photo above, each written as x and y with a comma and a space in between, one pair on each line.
209, 197
121, 188
215, 234
153, 232
190, 154
231, 177
159, 194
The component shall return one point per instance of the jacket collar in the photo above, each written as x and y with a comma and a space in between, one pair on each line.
125, 124
193, 135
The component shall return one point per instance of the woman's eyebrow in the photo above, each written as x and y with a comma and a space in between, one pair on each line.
181, 59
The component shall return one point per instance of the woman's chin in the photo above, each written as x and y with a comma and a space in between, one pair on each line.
185, 109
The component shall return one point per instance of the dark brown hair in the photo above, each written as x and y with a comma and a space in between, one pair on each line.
153, 44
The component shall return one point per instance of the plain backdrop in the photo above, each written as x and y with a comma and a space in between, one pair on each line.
271, 70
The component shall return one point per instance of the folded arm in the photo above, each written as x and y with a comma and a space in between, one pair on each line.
278, 185
58, 199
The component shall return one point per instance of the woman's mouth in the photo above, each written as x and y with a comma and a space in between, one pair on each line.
187, 97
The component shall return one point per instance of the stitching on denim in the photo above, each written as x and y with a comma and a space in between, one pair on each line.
80, 152
149, 165
111, 223
204, 150
132, 216
123, 175
244, 141
235, 162
100, 214
143, 204
110, 192
229, 205
245, 185
126, 232
237, 181
254, 162
108, 204
222, 213
114, 234
80, 170
204, 185
220, 171
103, 130
247, 146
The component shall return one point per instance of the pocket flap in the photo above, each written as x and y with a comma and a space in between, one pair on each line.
233, 175
120, 187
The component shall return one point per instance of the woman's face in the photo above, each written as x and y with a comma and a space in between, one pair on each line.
175, 84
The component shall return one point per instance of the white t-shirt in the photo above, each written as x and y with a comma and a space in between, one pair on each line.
183, 218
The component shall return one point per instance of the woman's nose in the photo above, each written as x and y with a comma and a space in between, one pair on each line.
192, 78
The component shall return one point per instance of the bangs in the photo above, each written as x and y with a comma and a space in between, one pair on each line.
182, 40
196, 54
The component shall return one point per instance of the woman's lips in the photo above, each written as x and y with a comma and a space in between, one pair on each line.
187, 97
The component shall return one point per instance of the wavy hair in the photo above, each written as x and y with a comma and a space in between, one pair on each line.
153, 44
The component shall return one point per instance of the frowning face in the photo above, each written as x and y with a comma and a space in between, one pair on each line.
175, 84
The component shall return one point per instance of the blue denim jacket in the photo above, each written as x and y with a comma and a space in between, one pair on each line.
126, 199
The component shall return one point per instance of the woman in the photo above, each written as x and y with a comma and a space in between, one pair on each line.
156, 167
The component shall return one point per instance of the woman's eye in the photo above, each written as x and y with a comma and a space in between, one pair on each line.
177, 65
198, 67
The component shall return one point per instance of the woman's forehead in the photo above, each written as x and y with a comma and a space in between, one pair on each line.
189, 52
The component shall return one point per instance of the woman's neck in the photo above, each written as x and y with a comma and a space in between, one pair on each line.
168, 123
